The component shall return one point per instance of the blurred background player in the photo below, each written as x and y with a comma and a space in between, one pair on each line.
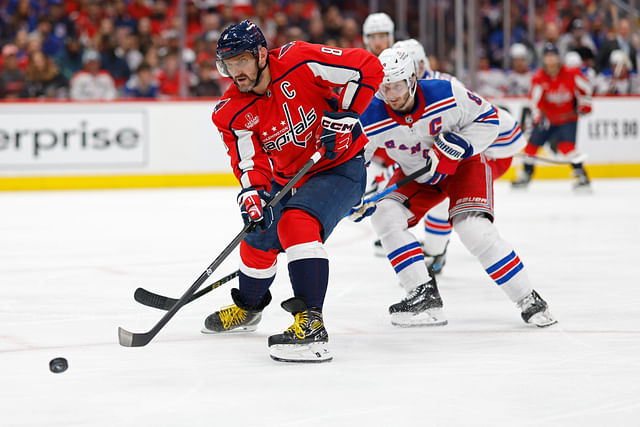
519, 76
559, 95
377, 31
443, 124
573, 59
619, 78
279, 111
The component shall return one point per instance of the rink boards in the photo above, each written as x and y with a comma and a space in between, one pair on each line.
64, 145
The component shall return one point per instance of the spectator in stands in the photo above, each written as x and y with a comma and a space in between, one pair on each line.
350, 35
142, 84
145, 35
112, 61
138, 9
51, 44
24, 17
316, 30
121, 16
206, 85
12, 79
551, 35
43, 79
61, 24
491, 81
170, 76
518, 81
92, 83
618, 78
130, 51
578, 40
69, 59
621, 39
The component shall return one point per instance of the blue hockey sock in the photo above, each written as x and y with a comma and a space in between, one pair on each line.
309, 279
252, 290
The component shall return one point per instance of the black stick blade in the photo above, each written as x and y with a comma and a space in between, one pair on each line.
151, 299
130, 339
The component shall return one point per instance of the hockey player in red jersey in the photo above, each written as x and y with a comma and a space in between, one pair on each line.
559, 95
280, 109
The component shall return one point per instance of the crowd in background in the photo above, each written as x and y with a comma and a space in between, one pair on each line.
109, 49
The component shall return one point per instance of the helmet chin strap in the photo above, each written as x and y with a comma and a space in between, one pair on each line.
260, 70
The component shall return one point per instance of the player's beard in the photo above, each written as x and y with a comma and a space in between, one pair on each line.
248, 84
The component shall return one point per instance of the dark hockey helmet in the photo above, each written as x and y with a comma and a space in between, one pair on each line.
236, 39
549, 48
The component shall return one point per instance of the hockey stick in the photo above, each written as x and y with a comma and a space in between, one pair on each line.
132, 339
394, 187
569, 161
154, 300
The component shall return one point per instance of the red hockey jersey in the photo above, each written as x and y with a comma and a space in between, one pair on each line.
273, 135
559, 98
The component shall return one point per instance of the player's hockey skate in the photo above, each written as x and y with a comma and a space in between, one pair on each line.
581, 183
535, 311
237, 317
522, 180
435, 262
422, 307
306, 340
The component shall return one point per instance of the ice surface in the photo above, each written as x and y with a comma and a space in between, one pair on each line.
70, 262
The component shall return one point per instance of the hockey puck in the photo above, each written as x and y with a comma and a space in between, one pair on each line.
58, 365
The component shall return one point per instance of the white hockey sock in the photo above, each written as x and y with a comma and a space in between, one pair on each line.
402, 248
437, 228
497, 256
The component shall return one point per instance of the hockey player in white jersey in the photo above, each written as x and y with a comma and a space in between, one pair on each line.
435, 121
377, 32
509, 142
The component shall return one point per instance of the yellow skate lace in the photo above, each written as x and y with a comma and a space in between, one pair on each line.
300, 321
231, 315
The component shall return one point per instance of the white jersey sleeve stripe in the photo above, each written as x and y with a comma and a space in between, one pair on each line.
246, 152
334, 73
348, 95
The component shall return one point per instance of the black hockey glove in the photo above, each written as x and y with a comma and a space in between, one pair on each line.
334, 131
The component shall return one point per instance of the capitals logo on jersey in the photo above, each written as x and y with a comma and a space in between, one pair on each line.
297, 132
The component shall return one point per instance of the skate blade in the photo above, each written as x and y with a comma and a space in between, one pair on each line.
316, 352
583, 190
230, 331
433, 317
542, 320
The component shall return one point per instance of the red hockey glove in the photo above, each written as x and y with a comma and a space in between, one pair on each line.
584, 107
252, 202
334, 132
447, 151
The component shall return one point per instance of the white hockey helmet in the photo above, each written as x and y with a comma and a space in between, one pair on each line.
398, 66
378, 23
619, 57
518, 50
416, 51
573, 59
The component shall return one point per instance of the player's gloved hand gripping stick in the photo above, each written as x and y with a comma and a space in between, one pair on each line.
334, 132
368, 206
131, 339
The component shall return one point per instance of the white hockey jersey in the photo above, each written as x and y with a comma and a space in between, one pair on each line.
440, 107
510, 140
